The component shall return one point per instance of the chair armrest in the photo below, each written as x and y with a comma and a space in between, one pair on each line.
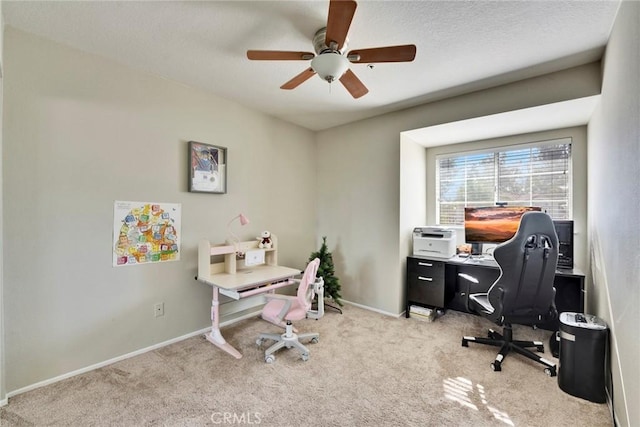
468, 279
318, 285
497, 316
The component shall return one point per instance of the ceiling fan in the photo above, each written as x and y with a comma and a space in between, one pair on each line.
330, 61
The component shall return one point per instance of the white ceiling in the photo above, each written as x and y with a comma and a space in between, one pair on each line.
461, 46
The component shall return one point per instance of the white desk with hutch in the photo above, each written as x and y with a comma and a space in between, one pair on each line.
234, 279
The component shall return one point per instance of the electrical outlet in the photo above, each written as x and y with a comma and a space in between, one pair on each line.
158, 309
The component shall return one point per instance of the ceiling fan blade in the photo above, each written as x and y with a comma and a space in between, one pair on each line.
404, 53
278, 55
299, 79
353, 84
340, 15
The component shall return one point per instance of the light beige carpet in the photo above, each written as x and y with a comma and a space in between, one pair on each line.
367, 370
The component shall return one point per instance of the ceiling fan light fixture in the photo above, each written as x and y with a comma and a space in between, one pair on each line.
330, 66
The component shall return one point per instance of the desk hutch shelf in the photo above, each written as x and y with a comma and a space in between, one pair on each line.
232, 262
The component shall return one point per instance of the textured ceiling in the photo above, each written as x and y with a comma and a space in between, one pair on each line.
461, 46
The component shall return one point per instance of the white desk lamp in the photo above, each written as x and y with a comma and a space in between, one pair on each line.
243, 221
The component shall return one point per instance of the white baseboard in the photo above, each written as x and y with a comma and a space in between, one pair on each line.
123, 357
228, 322
102, 364
4, 401
365, 307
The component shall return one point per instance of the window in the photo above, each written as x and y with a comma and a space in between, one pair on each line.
537, 174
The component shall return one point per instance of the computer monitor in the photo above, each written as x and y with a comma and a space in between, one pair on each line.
492, 224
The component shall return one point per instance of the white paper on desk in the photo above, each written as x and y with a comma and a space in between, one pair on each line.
254, 257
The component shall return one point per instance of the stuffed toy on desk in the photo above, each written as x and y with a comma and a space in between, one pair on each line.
265, 240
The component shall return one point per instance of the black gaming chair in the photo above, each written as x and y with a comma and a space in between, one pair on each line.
524, 292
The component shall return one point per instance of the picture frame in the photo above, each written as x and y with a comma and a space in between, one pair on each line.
207, 168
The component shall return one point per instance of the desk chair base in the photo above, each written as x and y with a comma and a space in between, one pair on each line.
289, 340
506, 344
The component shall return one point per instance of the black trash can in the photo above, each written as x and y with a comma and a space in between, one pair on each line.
583, 347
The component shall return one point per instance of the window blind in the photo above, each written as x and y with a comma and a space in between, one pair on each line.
536, 174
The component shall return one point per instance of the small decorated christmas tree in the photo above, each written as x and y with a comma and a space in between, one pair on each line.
326, 271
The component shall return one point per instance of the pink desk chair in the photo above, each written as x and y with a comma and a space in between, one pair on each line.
281, 310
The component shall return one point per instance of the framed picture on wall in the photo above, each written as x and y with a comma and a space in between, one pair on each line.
207, 168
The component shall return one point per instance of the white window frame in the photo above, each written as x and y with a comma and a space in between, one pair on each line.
500, 149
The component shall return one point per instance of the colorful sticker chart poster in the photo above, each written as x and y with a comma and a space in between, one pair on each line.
145, 233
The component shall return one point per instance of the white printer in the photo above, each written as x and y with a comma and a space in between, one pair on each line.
434, 241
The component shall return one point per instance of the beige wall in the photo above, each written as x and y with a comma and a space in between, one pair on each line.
81, 132
614, 203
360, 207
413, 198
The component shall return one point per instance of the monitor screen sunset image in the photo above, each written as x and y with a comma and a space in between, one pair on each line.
494, 224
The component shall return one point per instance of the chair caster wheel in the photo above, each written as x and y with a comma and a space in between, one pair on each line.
270, 358
550, 371
314, 340
259, 341
465, 343
305, 357
496, 367
540, 349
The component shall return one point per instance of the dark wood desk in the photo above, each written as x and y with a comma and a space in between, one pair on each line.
436, 283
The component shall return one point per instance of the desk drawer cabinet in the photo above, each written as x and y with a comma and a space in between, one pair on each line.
425, 283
